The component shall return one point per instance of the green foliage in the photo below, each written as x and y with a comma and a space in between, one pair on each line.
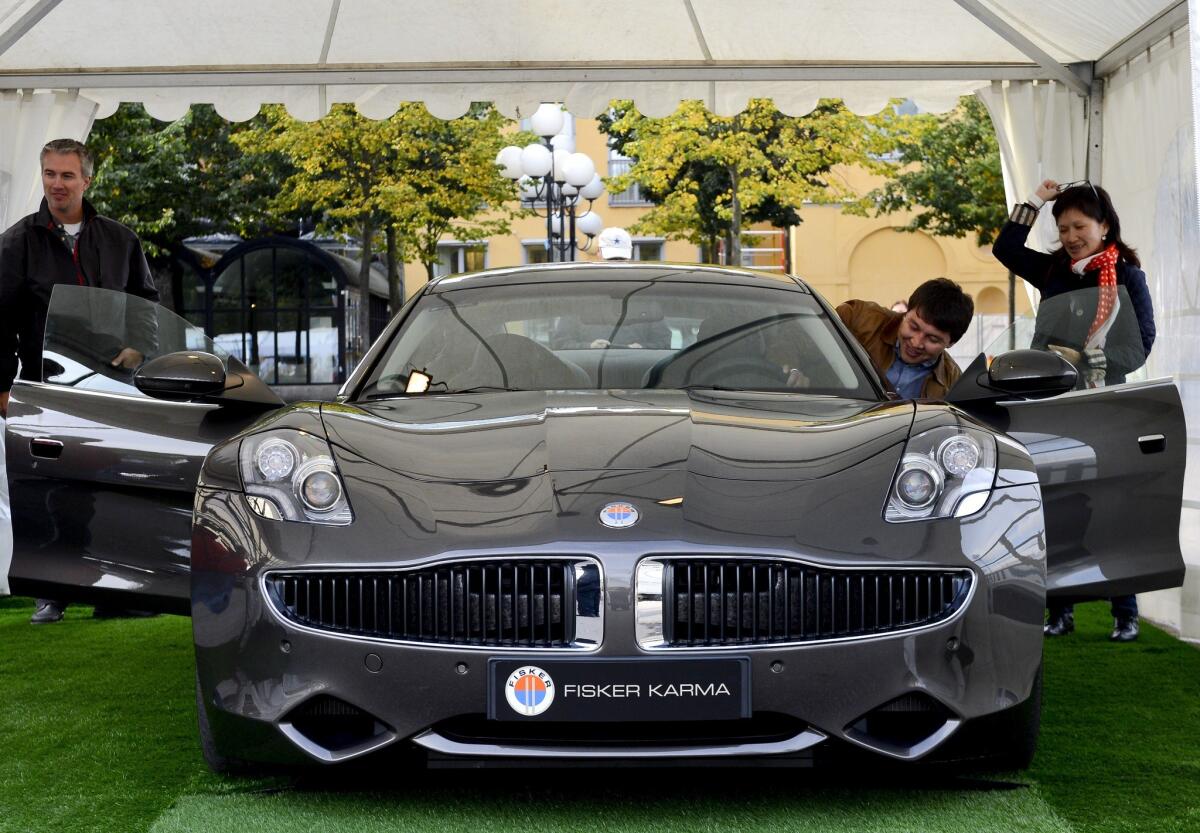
169, 181
421, 175
948, 171
448, 181
707, 175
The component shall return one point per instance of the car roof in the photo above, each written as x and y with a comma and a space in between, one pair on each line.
633, 271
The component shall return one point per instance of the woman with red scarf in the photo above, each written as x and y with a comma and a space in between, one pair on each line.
1092, 257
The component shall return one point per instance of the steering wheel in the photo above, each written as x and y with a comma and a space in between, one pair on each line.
742, 372
731, 372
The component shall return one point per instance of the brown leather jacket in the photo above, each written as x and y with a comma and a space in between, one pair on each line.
877, 330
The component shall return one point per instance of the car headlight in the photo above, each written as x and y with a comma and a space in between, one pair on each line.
945, 472
290, 475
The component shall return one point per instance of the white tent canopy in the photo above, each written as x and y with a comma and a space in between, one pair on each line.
309, 54
1102, 89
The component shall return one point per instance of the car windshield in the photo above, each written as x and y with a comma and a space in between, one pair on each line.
1107, 348
628, 335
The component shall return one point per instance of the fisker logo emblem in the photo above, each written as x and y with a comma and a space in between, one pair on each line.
529, 690
619, 515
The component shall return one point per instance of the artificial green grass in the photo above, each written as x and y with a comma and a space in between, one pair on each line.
96, 720
599, 802
97, 733
1120, 744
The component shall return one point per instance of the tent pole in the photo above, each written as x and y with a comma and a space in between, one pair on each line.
1044, 59
26, 22
1093, 170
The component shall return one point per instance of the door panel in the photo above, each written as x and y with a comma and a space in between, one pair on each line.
101, 476
1110, 462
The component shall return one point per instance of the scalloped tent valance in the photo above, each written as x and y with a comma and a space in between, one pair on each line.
310, 54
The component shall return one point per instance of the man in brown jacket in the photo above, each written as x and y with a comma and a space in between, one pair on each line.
908, 349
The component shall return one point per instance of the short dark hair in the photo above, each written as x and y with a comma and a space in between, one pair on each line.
87, 162
942, 303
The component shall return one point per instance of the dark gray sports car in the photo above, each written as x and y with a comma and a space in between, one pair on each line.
594, 512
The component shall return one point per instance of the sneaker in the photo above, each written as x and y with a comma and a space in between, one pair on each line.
1060, 625
47, 611
1125, 629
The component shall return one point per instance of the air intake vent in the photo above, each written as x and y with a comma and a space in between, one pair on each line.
715, 602
487, 603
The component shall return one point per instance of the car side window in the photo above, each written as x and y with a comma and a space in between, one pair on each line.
1096, 332
96, 339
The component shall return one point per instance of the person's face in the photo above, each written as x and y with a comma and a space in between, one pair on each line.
1080, 235
64, 182
920, 341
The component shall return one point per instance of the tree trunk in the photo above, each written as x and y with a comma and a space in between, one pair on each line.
395, 273
735, 223
364, 288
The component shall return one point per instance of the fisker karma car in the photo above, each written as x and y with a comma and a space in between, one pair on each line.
595, 513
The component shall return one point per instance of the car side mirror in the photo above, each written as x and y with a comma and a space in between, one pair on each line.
1032, 373
1027, 374
182, 376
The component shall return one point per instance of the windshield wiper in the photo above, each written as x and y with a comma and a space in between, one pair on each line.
478, 389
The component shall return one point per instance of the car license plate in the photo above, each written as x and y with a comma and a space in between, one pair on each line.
619, 689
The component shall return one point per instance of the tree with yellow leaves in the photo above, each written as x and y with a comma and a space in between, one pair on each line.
412, 177
708, 175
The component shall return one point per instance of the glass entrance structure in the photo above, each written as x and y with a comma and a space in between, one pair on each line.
287, 308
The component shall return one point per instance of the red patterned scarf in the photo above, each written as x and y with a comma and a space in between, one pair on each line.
1106, 262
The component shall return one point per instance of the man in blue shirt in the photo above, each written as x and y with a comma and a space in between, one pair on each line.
908, 349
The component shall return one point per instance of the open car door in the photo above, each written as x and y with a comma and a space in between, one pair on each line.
1109, 455
101, 475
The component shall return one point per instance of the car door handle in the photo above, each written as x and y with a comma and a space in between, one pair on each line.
45, 448
1152, 443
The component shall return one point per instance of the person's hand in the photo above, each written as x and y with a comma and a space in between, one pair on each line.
4, 405
1097, 367
1047, 191
1071, 355
796, 379
635, 344
128, 358
600, 342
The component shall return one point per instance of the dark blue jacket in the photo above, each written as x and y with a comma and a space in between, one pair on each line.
1053, 276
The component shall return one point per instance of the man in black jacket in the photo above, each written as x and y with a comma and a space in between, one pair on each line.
64, 242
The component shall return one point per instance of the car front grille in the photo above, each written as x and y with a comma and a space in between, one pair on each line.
743, 601
506, 603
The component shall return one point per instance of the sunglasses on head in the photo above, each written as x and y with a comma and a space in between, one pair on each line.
1078, 183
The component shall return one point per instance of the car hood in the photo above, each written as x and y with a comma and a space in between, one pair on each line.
493, 437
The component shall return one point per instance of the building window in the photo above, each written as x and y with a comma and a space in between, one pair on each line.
632, 195
647, 250
535, 251
456, 258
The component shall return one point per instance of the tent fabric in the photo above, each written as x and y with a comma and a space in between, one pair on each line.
1042, 133
1150, 169
522, 52
27, 122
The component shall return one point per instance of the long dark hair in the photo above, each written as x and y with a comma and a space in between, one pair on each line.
1093, 201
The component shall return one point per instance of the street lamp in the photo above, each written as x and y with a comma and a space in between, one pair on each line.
551, 171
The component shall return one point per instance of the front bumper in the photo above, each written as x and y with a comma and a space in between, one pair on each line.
257, 671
